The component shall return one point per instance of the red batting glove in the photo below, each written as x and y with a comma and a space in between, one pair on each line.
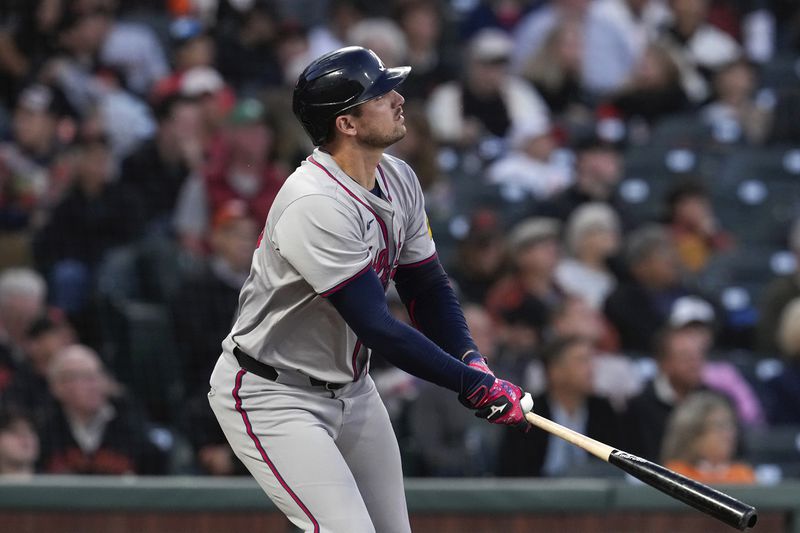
502, 403
481, 365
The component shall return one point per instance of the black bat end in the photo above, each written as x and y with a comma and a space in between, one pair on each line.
702, 497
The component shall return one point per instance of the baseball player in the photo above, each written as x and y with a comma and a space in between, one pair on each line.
291, 389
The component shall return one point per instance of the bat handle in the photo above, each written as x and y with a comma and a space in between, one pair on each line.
598, 449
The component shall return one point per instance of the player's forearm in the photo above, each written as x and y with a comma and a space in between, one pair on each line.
362, 304
434, 308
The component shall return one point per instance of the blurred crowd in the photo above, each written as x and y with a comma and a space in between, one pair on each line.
612, 186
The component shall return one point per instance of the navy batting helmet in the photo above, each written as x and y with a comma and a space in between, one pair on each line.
338, 81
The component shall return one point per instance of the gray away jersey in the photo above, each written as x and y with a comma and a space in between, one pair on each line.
322, 230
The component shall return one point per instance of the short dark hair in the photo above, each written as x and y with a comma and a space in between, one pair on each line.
554, 350
689, 188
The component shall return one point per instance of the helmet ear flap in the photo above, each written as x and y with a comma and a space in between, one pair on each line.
339, 81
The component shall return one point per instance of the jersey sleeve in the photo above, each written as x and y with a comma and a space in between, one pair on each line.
419, 245
322, 240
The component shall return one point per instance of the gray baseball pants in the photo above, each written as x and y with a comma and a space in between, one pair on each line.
329, 460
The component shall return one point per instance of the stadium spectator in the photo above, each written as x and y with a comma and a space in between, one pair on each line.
640, 306
535, 250
157, 170
522, 331
592, 238
323, 38
23, 295
533, 166
681, 356
735, 103
653, 90
481, 257
489, 100
431, 63
245, 168
33, 169
569, 401
782, 392
205, 305
555, 70
19, 445
27, 39
615, 375
698, 48
776, 296
248, 56
700, 441
598, 170
693, 224
450, 441
95, 205
92, 431
383, 36
28, 390
214, 98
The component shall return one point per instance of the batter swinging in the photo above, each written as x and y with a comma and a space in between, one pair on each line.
291, 389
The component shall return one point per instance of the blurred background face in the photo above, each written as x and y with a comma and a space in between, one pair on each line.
18, 312
580, 319
659, 270
94, 165
694, 212
572, 372
19, 444
487, 77
684, 360
421, 25
197, 52
599, 242
654, 70
251, 142
79, 383
599, 171
541, 257
569, 46
482, 329
41, 349
736, 84
690, 12
32, 129
717, 443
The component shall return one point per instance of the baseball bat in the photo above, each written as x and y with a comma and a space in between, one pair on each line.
702, 497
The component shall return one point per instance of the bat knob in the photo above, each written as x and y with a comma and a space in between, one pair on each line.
526, 403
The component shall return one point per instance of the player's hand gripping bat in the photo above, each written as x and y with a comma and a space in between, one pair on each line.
700, 496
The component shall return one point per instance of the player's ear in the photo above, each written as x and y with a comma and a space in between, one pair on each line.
346, 125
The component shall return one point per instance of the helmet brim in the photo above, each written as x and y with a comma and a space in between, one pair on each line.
391, 78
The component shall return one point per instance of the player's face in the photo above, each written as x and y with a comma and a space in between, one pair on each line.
381, 123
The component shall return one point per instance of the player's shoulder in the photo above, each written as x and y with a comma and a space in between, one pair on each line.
307, 185
398, 173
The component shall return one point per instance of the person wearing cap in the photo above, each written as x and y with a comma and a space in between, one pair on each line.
243, 165
481, 257
532, 165
535, 248
28, 389
489, 100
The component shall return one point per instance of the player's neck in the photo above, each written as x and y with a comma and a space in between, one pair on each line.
360, 165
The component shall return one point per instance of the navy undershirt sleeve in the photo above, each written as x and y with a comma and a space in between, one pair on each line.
362, 304
434, 308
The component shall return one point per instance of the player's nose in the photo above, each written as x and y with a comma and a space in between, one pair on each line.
399, 100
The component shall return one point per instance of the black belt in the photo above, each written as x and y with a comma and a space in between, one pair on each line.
267, 372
